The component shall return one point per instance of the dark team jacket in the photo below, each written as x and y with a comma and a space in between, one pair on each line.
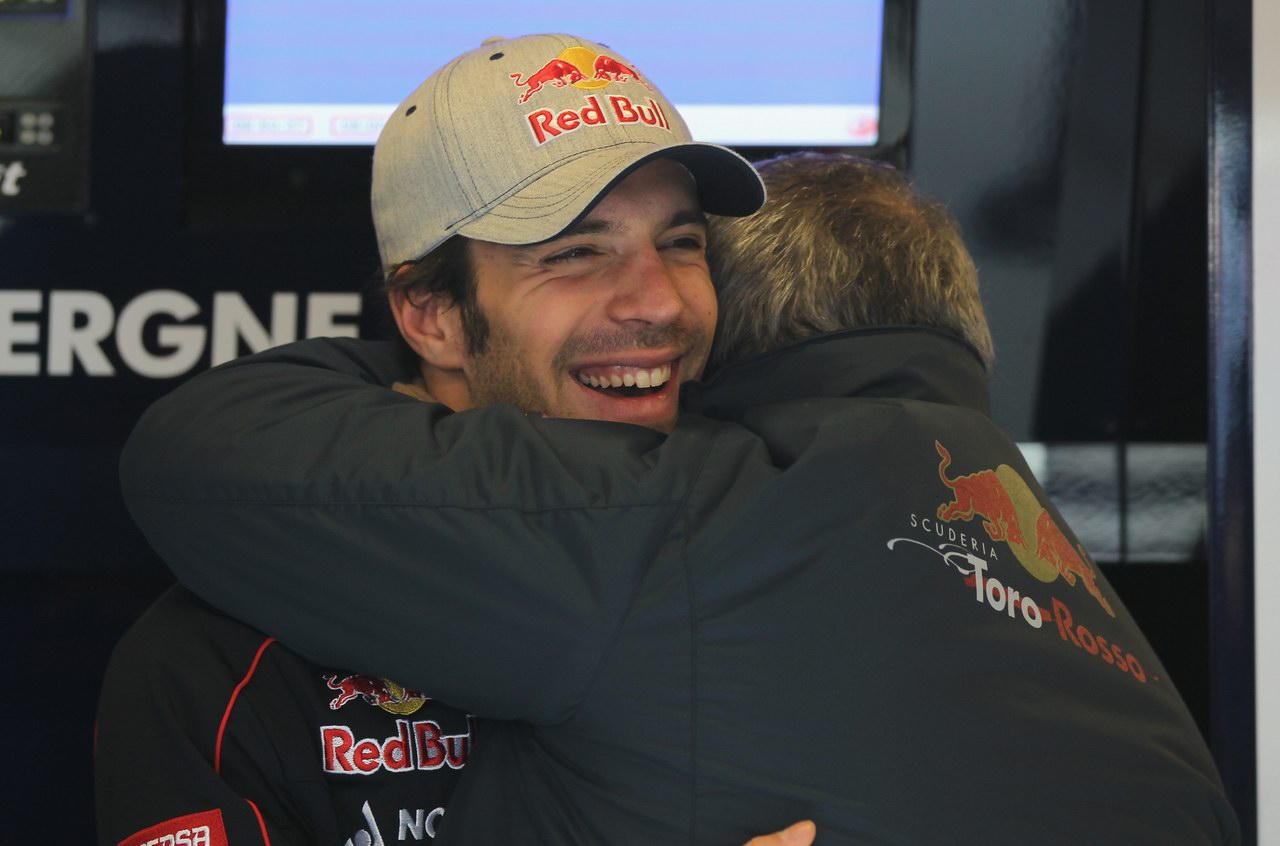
846, 599
211, 733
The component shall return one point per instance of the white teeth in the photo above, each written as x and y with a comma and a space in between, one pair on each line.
654, 377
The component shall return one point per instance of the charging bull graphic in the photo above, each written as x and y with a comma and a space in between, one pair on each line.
1008, 509
384, 693
1053, 546
982, 495
579, 67
557, 72
609, 68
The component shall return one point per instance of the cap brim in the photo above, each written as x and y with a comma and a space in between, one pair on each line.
727, 184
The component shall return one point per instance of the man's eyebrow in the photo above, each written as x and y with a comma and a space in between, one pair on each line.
582, 227
686, 216
603, 226
598, 226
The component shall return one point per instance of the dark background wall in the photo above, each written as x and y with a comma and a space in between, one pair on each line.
1068, 137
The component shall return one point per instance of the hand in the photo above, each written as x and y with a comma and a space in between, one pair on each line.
800, 834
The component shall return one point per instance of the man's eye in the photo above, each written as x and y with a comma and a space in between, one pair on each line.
687, 242
570, 254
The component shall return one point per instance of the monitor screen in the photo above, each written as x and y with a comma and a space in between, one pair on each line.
753, 74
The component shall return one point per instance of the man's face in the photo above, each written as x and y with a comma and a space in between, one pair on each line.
605, 321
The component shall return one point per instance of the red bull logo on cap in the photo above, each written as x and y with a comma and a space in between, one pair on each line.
579, 67
589, 71
384, 693
1010, 512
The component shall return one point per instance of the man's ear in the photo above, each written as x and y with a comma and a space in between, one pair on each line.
431, 326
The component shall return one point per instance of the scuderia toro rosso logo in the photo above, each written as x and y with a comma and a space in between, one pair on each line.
1004, 503
589, 71
1001, 504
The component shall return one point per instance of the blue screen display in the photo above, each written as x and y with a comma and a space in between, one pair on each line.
328, 72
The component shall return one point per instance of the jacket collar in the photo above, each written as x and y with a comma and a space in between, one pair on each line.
896, 362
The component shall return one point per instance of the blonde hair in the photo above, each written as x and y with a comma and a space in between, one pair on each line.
842, 243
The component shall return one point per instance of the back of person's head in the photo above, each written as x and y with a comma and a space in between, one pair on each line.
841, 243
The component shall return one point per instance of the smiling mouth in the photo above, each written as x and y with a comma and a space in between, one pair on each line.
623, 381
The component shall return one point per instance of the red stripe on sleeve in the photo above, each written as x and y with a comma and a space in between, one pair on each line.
261, 823
231, 703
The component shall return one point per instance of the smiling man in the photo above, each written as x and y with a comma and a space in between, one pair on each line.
555, 237
602, 322
544, 244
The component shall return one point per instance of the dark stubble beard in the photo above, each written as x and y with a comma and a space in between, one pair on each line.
502, 372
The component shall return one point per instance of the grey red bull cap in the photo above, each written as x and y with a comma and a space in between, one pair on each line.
515, 141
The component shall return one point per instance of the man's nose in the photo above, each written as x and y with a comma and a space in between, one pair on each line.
646, 291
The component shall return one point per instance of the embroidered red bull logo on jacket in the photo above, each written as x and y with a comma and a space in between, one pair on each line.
583, 69
384, 693
417, 745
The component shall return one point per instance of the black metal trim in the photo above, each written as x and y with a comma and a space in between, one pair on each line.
1233, 734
